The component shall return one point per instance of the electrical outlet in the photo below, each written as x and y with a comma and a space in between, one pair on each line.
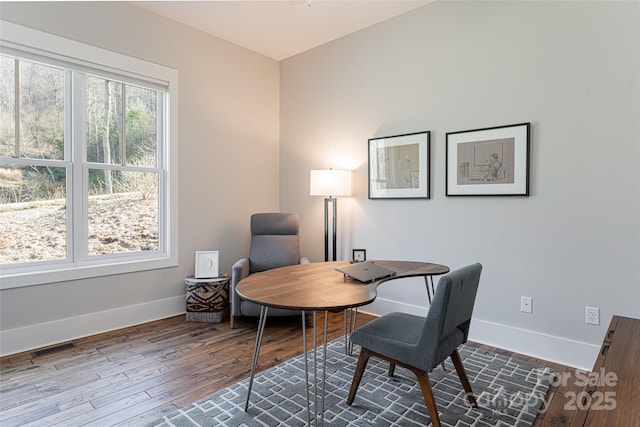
593, 316
526, 304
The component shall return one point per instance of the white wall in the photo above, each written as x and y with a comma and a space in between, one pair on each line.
572, 70
228, 108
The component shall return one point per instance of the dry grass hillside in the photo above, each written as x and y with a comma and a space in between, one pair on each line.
37, 232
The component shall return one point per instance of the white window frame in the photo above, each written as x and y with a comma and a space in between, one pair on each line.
22, 41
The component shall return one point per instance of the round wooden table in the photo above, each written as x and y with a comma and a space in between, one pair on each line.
318, 287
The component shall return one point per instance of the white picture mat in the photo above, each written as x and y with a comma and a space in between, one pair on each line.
422, 191
206, 264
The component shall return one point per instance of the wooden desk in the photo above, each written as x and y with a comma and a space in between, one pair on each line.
318, 287
615, 398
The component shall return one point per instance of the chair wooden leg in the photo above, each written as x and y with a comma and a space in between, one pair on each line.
392, 368
429, 400
457, 363
357, 375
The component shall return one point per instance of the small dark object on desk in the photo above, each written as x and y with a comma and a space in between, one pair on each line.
365, 271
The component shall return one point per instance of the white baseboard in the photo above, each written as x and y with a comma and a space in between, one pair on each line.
45, 334
552, 348
535, 344
577, 354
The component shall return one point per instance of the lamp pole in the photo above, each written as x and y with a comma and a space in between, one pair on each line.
334, 203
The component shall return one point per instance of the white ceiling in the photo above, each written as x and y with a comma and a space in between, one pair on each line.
280, 29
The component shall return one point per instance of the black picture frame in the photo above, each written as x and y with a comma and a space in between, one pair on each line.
400, 166
491, 161
358, 255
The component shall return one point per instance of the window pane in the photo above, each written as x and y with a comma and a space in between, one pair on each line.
141, 126
32, 214
41, 111
125, 219
104, 121
7, 106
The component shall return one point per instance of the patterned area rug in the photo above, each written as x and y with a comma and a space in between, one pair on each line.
509, 393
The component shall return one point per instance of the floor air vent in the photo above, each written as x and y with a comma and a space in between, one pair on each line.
54, 349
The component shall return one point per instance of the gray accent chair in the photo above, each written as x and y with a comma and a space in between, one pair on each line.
274, 243
420, 344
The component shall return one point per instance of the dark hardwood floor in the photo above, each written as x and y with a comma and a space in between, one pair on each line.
135, 375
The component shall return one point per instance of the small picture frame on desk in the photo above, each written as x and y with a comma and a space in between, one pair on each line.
358, 255
206, 264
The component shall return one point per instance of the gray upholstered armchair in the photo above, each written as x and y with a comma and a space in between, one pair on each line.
274, 243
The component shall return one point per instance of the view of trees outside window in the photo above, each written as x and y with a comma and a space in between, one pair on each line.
32, 194
122, 130
120, 175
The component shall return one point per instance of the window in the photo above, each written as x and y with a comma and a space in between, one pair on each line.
87, 161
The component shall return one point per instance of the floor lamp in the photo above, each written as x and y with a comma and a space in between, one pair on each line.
330, 183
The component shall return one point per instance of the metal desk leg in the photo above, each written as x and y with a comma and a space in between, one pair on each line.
430, 292
350, 318
315, 371
324, 365
306, 370
256, 351
346, 331
318, 411
306, 365
316, 416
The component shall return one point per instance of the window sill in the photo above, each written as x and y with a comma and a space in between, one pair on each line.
67, 273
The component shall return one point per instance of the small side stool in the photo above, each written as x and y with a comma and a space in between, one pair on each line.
207, 299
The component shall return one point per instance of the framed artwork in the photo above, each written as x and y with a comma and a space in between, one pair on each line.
399, 166
206, 264
359, 255
488, 162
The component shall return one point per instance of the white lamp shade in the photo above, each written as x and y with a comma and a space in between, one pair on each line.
330, 182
